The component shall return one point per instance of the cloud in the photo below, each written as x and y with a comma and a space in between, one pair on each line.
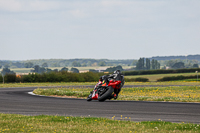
25, 5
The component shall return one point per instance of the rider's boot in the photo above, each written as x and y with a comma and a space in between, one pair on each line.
115, 96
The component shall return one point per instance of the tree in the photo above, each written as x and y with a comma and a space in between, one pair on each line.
6, 71
93, 70
102, 63
48, 70
76, 64
170, 63
195, 65
89, 63
55, 70
74, 70
38, 69
84, 64
148, 64
112, 69
28, 65
64, 69
6, 66
134, 63
158, 65
153, 66
140, 64
45, 65
178, 65
94, 64
55, 65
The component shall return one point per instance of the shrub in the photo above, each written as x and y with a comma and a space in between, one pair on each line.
136, 79
1, 79
181, 77
62, 76
160, 71
9, 78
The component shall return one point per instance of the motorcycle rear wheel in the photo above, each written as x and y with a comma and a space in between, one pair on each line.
107, 94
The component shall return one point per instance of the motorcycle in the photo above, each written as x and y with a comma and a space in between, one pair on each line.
106, 89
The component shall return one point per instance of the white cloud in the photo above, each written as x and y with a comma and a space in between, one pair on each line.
78, 13
25, 5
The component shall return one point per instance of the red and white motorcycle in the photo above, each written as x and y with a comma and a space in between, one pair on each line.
108, 87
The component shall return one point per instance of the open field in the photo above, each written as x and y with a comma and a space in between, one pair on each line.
13, 123
28, 70
21, 70
172, 94
191, 83
154, 77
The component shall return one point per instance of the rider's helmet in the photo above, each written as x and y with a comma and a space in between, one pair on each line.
117, 72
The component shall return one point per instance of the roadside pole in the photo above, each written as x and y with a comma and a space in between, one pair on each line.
3, 78
197, 75
2, 74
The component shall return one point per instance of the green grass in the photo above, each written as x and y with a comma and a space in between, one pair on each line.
189, 80
45, 84
12, 123
154, 77
172, 94
192, 83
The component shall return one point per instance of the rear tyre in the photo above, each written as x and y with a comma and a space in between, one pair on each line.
105, 95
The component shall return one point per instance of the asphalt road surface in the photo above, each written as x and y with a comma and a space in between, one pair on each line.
18, 101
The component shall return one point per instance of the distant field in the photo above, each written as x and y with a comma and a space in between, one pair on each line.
154, 77
22, 70
27, 70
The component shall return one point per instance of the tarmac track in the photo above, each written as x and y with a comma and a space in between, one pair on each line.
18, 101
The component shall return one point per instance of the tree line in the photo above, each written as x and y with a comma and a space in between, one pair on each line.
64, 63
147, 64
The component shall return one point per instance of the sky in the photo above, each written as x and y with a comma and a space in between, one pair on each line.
98, 29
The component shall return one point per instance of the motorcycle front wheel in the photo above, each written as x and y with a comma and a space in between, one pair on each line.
89, 98
102, 97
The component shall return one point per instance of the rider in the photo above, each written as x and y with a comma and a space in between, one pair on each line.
117, 75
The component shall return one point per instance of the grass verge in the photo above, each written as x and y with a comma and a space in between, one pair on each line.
154, 77
172, 94
45, 84
20, 123
192, 83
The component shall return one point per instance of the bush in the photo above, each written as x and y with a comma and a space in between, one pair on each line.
181, 77
9, 78
136, 79
62, 76
112, 69
1, 79
160, 71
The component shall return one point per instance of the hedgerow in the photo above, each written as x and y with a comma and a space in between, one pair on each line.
136, 79
172, 78
160, 71
62, 76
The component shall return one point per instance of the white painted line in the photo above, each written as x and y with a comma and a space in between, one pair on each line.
31, 93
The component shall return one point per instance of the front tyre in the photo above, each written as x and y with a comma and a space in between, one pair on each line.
105, 95
89, 98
